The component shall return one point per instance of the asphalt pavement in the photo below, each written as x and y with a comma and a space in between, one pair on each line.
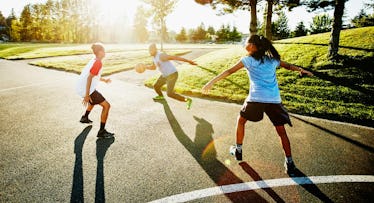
163, 150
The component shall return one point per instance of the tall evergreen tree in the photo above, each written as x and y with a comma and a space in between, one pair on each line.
300, 30
321, 23
182, 36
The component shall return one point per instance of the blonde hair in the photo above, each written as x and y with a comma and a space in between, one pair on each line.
96, 47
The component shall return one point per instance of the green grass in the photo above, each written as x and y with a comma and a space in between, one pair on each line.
112, 63
340, 90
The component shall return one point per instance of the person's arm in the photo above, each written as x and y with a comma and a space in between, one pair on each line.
295, 68
151, 67
221, 76
165, 57
87, 97
106, 80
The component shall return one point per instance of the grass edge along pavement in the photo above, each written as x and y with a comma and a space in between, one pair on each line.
341, 90
113, 62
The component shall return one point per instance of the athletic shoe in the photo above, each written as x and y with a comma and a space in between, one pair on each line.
189, 103
158, 98
104, 134
290, 168
85, 119
238, 155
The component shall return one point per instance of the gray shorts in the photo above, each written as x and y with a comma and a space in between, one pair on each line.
254, 111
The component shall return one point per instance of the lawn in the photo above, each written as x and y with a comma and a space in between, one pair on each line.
341, 90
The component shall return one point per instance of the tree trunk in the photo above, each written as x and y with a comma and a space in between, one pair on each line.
253, 24
336, 27
162, 34
269, 15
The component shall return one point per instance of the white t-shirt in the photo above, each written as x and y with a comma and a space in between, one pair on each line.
165, 67
94, 67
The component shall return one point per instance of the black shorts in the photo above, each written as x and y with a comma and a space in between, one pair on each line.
96, 98
254, 111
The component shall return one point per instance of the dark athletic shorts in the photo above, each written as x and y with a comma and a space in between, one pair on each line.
96, 98
254, 111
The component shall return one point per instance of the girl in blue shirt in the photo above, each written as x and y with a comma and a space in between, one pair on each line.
261, 63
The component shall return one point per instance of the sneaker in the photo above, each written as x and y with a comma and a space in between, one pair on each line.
158, 98
290, 168
189, 103
236, 153
85, 119
104, 134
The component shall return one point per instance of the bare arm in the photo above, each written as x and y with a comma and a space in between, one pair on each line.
295, 68
165, 57
151, 67
87, 97
221, 76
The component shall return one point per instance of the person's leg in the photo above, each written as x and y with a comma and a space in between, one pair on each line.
84, 118
240, 126
284, 140
158, 84
104, 114
170, 81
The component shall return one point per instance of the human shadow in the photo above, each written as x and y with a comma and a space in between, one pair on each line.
77, 189
204, 152
301, 179
102, 146
354, 142
256, 177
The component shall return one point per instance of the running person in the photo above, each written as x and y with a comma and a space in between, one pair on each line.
169, 74
264, 95
86, 88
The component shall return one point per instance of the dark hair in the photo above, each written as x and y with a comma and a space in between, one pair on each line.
264, 48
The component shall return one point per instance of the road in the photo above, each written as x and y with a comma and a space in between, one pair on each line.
162, 150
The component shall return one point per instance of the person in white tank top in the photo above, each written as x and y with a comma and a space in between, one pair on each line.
169, 74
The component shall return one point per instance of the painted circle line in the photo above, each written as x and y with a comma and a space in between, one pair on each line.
239, 187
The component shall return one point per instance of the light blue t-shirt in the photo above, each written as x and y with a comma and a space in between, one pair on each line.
263, 86
166, 67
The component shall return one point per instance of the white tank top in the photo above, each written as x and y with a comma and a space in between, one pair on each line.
165, 67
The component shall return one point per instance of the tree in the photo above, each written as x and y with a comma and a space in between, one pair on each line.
140, 23
15, 30
363, 19
182, 36
9, 21
199, 34
235, 35
231, 6
280, 27
26, 23
321, 23
3, 26
160, 10
223, 34
300, 30
337, 22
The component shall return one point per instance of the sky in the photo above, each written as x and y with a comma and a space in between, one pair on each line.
189, 14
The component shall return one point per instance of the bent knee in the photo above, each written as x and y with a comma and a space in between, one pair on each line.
242, 120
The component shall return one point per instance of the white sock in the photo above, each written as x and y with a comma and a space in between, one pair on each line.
239, 147
289, 159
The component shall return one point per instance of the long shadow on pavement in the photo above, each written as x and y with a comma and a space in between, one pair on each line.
354, 142
102, 146
256, 177
77, 189
204, 152
309, 186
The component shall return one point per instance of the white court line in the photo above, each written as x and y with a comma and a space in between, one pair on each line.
224, 189
32, 85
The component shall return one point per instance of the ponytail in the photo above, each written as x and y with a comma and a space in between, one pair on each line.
264, 48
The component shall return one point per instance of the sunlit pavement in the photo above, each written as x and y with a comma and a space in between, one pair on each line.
163, 149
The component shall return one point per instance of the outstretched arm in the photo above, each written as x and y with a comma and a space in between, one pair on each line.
165, 57
151, 67
295, 68
221, 76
